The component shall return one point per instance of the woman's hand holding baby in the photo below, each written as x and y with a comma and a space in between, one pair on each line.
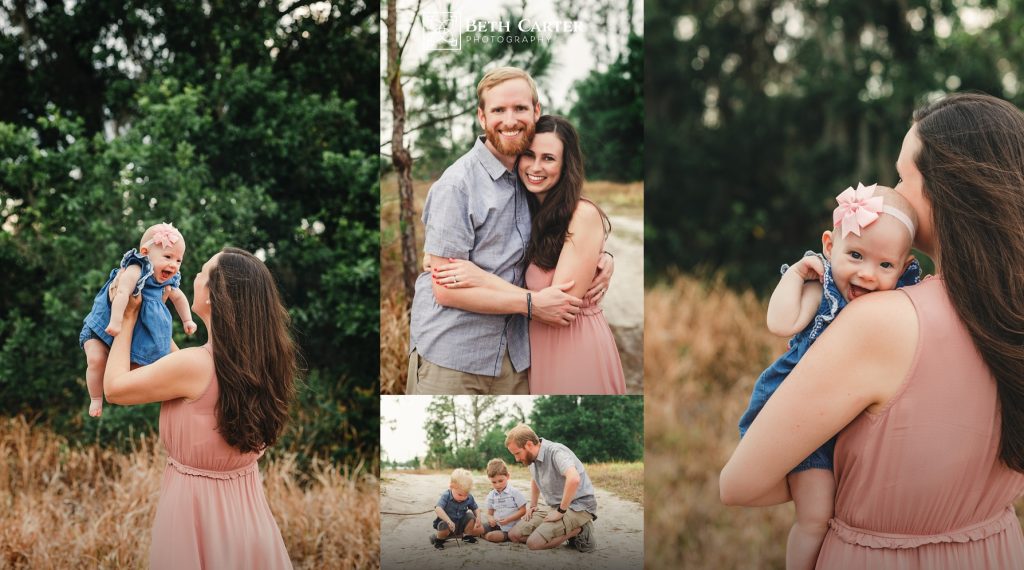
131, 311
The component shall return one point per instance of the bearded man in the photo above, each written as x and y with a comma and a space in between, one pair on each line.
560, 476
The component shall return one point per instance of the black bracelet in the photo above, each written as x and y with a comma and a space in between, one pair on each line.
609, 254
529, 306
560, 509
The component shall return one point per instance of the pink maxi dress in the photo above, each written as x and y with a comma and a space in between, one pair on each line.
212, 511
919, 483
578, 359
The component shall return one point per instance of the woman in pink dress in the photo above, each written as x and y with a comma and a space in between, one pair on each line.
222, 405
567, 237
924, 385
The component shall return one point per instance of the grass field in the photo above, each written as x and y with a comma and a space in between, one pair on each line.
70, 507
704, 346
615, 198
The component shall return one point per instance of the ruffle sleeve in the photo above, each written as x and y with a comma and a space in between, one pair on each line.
912, 276
832, 302
133, 257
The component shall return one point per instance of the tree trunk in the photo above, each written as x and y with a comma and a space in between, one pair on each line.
401, 159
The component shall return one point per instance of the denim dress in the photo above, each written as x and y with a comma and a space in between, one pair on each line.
151, 338
832, 301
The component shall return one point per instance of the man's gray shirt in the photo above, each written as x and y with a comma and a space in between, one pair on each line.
475, 211
548, 470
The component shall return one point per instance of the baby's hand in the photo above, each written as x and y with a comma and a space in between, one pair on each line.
190, 328
810, 268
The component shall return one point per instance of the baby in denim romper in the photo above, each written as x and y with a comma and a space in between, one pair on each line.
867, 250
147, 272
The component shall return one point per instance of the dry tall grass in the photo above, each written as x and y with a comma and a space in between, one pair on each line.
65, 507
394, 319
704, 346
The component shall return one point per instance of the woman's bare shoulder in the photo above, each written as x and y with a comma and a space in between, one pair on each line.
877, 336
587, 216
194, 358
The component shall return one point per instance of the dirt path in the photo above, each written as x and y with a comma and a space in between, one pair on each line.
624, 303
618, 532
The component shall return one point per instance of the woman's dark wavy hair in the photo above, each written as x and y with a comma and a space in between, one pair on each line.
550, 225
253, 352
972, 162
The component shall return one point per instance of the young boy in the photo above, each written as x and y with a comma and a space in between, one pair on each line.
457, 512
505, 503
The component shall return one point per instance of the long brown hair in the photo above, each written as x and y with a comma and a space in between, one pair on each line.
972, 162
550, 219
253, 352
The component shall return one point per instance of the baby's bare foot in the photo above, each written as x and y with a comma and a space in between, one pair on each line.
96, 407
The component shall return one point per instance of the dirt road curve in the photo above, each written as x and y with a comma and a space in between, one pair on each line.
618, 532
624, 303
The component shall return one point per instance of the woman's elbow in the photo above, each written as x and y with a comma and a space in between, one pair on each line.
731, 491
444, 296
113, 392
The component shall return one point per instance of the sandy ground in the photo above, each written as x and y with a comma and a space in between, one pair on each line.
618, 532
624, 303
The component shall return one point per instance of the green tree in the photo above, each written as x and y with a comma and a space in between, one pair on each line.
609, 115
759, 113
442, 431
227, 121
596, 428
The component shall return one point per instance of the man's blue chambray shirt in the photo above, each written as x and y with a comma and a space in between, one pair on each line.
475, 211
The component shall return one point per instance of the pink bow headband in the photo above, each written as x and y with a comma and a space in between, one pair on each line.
164, 235
859, 208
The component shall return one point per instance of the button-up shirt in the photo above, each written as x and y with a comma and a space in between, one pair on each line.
505, 503
475, 211
548, 470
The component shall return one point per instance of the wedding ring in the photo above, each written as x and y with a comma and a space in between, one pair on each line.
455, 279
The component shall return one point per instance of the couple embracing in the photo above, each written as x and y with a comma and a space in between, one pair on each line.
516, 261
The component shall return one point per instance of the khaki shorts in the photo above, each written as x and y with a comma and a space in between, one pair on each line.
570, 521
425, 377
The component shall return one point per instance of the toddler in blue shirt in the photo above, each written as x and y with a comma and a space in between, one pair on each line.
458, 515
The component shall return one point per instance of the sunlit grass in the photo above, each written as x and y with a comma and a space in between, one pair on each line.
71, 507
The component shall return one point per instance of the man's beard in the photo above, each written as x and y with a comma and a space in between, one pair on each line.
512, 148
530, 459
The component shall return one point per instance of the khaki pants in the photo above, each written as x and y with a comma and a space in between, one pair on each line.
570, 521
425, 377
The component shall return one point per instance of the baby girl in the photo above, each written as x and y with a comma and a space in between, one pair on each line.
867, 250
151, 272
